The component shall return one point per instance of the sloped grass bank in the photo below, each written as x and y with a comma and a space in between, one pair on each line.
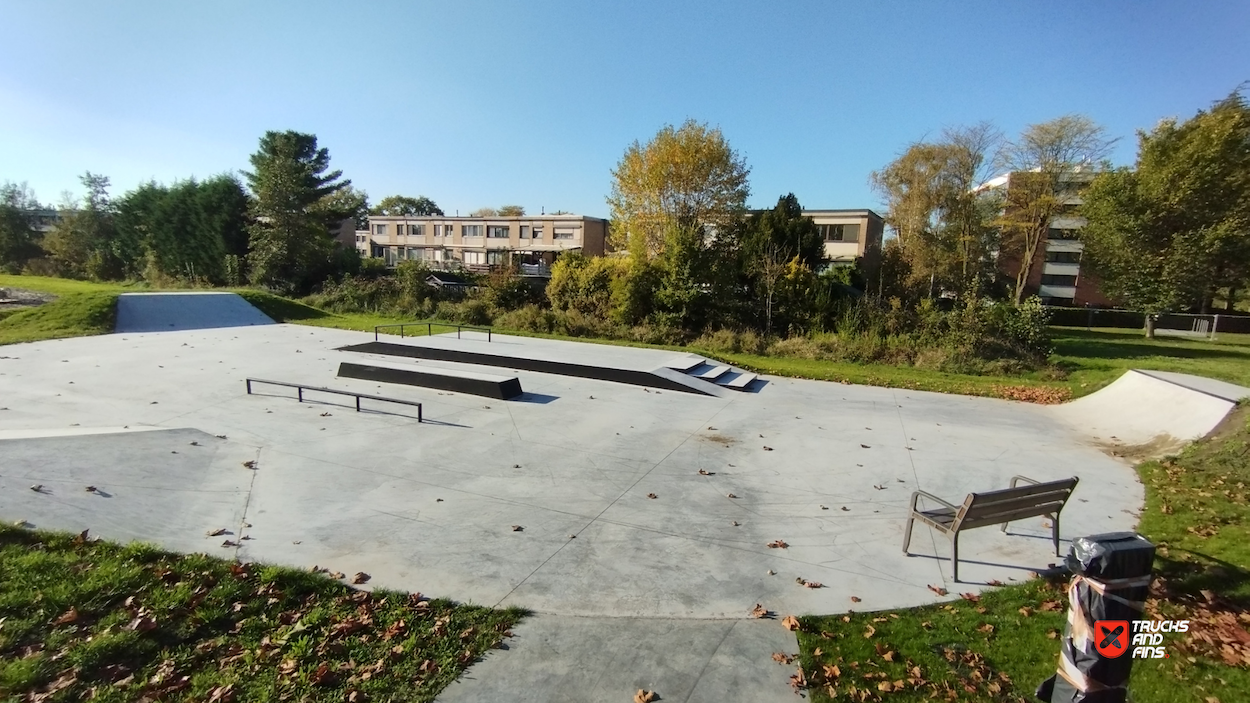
88, 620
72, 315
1000, 645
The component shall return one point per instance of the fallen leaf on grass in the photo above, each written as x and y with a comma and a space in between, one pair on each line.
778, 544
986, 628
82, 537
645, 696
790, 622
970, 597
360, 577
1052, 605
870, 632
323, 676
832, 671
782, 658
1052, 633
67, 617
996, 582
1025, 612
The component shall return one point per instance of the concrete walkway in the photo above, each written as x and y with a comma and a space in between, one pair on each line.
429, 507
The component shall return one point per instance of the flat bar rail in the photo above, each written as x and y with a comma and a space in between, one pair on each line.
300, 388
429, 328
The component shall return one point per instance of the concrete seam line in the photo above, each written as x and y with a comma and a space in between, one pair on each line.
708, 661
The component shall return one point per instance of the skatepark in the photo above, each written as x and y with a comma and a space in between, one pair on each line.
599, 500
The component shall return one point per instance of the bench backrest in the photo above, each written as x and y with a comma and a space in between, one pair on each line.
997, 507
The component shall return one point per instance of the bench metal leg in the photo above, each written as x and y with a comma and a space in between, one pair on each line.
1054, 532
907, 535
955, 554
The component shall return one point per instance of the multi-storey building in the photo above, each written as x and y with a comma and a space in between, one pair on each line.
482, 243
850, 235
1056, 275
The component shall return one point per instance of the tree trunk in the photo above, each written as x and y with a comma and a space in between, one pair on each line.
1230, 304
1150, 326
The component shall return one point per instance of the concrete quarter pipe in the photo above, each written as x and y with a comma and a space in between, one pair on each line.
189, 310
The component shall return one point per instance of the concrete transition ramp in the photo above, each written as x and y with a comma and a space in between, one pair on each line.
1148, 413
190, 310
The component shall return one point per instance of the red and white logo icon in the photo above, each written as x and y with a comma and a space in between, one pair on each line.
1111, 637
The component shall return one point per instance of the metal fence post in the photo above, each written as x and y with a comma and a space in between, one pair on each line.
1214, 325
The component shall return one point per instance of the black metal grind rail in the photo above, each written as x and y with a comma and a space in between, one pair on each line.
300, 388
429, 328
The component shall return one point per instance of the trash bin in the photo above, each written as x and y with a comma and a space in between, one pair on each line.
1111, 578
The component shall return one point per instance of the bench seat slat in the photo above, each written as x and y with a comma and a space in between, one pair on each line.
980, 509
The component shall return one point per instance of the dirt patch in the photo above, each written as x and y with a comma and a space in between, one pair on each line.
719, 438
1161, 446
21, 298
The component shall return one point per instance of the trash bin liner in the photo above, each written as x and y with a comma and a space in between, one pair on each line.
1111, 578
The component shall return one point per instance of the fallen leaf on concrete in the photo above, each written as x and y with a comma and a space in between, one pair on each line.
194, 444
772, 573
778, 544
652, 496
217, 532
319, 569
360, 577
846, 509
759, 611
856, 599
865, 446
823, 507
325, 414
337, 574
733, 522
768, 449
879, 487
517, 528
790, 622
250, 464
938, 590
38, 488
782, 658
812, 584
438, 500
996, 582
730, 495
220, 436
705, 472
645, 696
229, 543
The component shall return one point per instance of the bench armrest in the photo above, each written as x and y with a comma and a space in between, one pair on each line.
918, 494
1015, 481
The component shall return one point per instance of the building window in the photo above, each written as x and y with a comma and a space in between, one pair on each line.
1063, 257
380, 230
470, 230
442, 230
839, 233
538, 233
1057, 233
497, 232
496, 256
1054, 279
525, 231
474, 257
416, 230
563, 233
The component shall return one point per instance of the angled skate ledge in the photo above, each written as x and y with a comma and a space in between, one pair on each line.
485, 385
663, 379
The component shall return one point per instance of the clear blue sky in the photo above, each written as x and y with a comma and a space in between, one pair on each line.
486, 103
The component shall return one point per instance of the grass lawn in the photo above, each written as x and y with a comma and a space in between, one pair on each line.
999, 646
71, 315
81, 619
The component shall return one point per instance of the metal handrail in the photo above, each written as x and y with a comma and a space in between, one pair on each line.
302, 387
429, 328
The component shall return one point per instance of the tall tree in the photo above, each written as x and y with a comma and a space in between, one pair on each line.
484, 212
1175, 230
686, 178
18, 207
402, 205
290, 240
511, 211
941, 219
84, 243
342, 204
1041, 163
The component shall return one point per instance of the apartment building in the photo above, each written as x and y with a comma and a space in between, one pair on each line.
482, 243
1056, 275
850, 235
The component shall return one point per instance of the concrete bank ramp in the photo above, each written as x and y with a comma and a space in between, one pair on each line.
1149, 413
189, 310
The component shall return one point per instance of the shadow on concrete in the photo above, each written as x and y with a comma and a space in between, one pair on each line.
535, 398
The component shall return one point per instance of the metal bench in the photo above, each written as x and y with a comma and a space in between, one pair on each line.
993, 508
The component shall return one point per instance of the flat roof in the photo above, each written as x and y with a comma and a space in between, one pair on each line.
509, 218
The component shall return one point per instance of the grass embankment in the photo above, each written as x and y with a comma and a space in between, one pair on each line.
73, 315
999, 646
81, 619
